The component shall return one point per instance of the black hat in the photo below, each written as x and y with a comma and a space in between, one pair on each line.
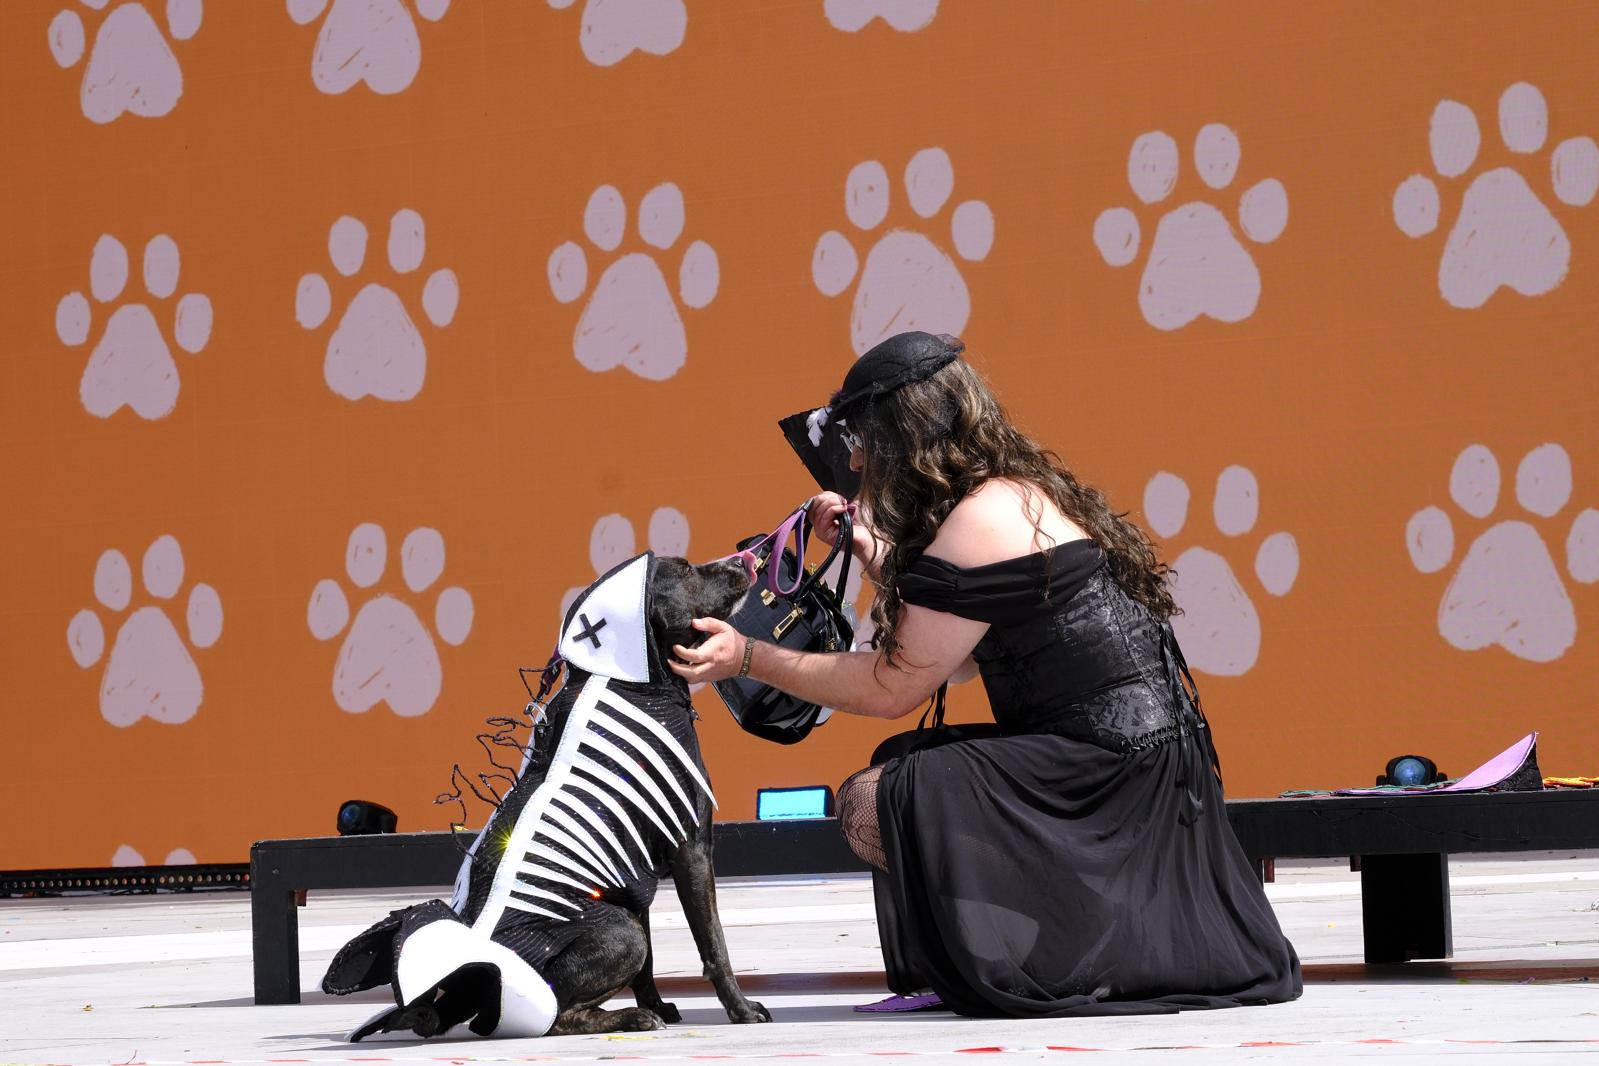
901, 360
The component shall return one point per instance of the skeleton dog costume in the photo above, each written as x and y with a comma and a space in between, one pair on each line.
548, 918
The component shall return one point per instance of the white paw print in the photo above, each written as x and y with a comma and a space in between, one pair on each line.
907, 16
613, 541
1196, 265
128, 855
613, 29
388, 656
372, 41
909, 282
1504, 234
1508, 590
151, 672
131, 67
376, 349
1219, 629
631, 319
131, 364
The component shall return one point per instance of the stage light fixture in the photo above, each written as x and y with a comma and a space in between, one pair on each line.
1409, 771
805, 801
364, 818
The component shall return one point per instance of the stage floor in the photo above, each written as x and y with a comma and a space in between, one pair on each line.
166, 979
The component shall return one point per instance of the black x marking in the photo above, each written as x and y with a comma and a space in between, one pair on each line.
591, 630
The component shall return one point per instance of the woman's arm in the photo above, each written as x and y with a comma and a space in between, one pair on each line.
933, 645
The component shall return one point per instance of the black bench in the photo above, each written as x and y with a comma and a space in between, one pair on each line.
1402, 844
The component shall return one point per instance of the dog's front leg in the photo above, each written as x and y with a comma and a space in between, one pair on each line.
645, 994
696, 888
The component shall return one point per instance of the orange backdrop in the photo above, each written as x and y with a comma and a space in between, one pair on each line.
1308, 289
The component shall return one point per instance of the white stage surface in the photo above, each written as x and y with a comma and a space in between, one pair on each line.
166, 979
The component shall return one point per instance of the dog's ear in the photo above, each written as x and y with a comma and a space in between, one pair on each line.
721, 586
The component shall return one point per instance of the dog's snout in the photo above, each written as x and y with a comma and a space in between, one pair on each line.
736, 571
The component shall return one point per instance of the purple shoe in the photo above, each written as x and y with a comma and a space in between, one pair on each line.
900, 1004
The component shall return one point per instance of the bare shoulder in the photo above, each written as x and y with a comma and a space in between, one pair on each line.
1001, 520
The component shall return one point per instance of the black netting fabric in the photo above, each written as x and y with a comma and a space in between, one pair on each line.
857, 817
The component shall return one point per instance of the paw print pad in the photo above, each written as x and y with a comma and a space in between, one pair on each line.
1219, 627
1196, 265
613, 31
150, 672
1504, 235
131, 68
1508, 590
613, 541
377, 350
631, 319
131, 364
128, 855
909, 282
907, 16
371, 41
388, 655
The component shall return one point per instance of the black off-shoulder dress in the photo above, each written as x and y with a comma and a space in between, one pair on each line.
1082, 862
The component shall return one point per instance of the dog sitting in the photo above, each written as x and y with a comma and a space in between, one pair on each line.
550, 917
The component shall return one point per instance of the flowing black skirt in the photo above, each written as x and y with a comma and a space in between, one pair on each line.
1037, 876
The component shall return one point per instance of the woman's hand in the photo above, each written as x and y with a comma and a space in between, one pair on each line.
717, 658
824, 513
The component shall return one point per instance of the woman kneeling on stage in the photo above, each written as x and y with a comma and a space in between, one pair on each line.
1079, 861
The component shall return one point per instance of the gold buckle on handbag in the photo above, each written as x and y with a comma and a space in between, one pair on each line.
767, 597
783, 626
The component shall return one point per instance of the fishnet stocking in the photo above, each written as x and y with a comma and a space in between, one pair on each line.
857, 816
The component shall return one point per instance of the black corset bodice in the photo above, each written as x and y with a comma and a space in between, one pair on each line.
1067, 651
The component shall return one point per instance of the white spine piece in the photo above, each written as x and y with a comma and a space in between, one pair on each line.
537, 806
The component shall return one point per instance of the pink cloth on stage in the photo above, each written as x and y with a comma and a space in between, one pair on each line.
1496, 771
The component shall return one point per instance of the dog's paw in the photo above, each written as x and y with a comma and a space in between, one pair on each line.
749, 1013
638, 1020
668, 1013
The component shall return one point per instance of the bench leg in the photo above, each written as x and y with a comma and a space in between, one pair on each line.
1404, 905
275, 942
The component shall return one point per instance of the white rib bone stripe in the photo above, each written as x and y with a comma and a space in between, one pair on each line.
517, 903
607, 777
525, 889
614, 703
643, 746
643, 777
577, 858
587, 846
553, 865
551, 839
578, 783
570, 805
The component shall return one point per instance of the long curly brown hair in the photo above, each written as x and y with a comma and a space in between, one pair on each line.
930, 444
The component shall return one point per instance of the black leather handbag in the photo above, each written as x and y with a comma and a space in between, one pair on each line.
792, 605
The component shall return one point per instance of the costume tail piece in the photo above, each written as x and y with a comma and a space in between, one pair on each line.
446, 975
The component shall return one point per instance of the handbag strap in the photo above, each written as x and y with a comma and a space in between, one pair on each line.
840, 544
